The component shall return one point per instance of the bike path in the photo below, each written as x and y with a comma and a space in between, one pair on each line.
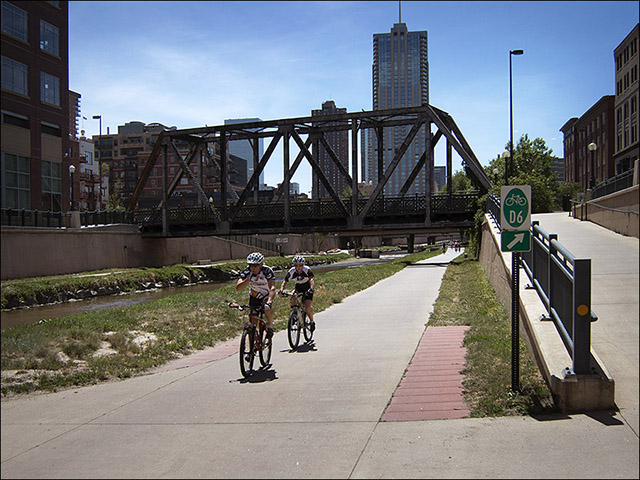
315, 414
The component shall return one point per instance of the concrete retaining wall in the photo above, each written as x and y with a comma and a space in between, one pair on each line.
34, 252
617, 212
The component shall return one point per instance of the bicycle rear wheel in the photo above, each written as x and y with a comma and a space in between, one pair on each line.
266, 344
308, 334
246, 352
293, 329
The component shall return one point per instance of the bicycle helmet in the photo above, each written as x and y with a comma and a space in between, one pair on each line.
298, 259
255, 258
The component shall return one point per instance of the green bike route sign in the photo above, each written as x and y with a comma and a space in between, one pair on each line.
515, 218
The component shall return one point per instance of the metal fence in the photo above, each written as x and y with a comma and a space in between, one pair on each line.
611, 185
33, 218
563, 284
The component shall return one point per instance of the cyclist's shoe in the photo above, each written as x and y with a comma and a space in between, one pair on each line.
269, 332
312, 326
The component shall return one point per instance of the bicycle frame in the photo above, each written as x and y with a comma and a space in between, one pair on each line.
253, 342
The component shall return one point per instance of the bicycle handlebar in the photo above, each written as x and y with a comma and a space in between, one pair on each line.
238, 307
287, 294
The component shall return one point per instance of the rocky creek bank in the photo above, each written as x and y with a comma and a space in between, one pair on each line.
49, 290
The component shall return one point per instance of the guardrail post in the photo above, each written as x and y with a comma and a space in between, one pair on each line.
582, 316
551, 252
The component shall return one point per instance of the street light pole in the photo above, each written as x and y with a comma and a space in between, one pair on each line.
592, 148
511, 53
515, 259
99, 117
72, 170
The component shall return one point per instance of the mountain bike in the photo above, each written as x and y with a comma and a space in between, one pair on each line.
298, 321
254, 342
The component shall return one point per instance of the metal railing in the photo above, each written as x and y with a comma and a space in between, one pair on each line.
611, 185
254, 242
563, 284
33, 218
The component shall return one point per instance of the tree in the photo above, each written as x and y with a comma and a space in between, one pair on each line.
532, 166
115, 199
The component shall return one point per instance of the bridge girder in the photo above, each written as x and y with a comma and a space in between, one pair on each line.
203, 140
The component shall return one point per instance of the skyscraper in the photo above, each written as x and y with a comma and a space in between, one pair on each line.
243, 148
339, 143
400, 79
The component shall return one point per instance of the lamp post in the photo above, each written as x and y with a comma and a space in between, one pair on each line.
511, 53
592, 148
495, 174
99, 117
72, 170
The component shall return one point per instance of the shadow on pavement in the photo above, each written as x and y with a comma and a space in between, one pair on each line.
265, 374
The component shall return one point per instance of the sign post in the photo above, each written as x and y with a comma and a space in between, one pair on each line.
515, 220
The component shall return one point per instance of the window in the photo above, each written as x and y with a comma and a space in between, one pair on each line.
51, 186
50, 129
14, 76
15, 181
49, 38
49, 89
15, 119
14, 21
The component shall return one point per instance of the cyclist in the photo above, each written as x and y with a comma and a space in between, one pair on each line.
302, 275
263, 286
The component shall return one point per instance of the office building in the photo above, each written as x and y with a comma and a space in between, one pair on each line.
400, 79
626, 102
35, 105
244, 149
594, 126
339, 143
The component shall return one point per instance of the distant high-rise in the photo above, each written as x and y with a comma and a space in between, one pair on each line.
243, 148
339, 143
400, 79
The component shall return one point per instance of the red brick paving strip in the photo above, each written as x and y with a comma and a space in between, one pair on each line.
432, 386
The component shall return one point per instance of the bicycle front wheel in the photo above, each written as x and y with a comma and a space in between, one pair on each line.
266, 347
308, 334
293, 330
246, 352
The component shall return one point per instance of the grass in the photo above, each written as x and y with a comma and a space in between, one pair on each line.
61, 353
467, 298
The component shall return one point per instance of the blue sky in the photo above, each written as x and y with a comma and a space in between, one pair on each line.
189, 64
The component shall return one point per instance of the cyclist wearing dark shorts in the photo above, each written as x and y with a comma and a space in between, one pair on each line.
302, 275
262, 281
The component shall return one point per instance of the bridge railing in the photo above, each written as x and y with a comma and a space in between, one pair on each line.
33, 218
563, 284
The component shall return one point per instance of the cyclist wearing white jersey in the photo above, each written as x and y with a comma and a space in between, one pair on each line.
302, 275
263, 286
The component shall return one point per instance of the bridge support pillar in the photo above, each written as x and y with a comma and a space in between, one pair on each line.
411, 238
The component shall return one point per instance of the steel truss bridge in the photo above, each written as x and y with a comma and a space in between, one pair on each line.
244, 212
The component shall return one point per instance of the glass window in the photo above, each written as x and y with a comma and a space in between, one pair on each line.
14, 21
51, 186
14, 76
49, 89
49, 38
15, 181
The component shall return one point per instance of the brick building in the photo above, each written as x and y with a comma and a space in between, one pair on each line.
35, 105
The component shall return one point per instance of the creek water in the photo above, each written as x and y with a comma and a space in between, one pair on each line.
24, 316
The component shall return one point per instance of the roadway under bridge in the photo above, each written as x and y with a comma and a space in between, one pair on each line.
245, 212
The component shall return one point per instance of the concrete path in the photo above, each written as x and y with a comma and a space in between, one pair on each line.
314, 414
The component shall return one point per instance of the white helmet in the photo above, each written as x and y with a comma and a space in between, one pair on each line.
255, 258
298, 259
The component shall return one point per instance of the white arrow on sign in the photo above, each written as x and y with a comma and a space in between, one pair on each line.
517, 238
